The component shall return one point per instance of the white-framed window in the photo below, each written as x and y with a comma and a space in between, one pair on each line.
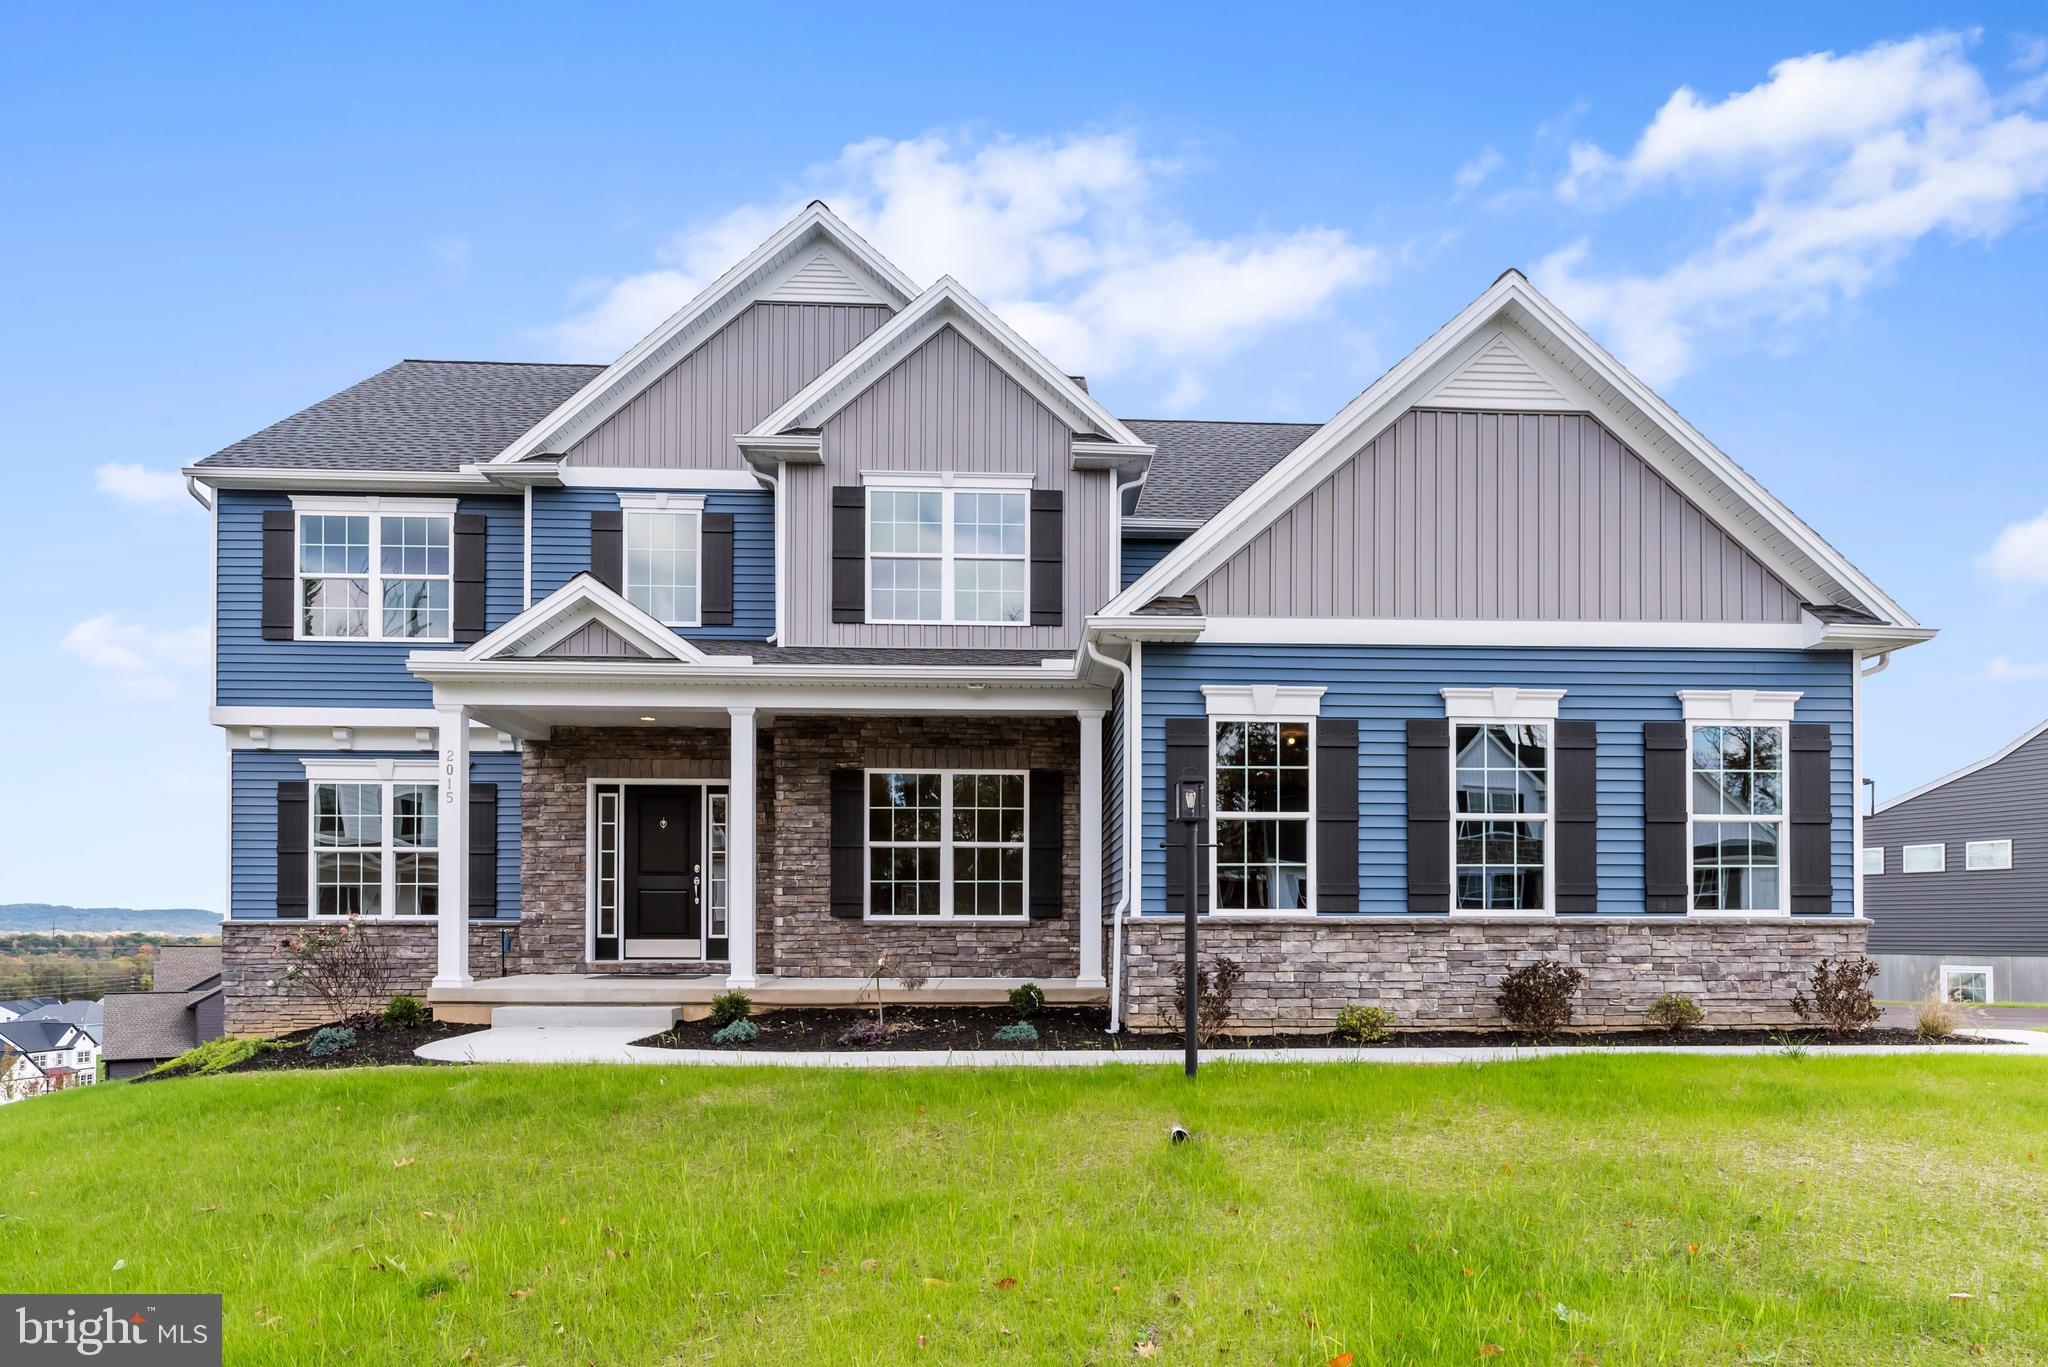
1263, 810
1873, 860
1737, 805
946, 843
375, 840
664, 552
1929, 858
1500, 823
949, 549
1980, 855
374, 569
1966, 983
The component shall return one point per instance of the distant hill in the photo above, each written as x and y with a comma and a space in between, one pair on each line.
25, 917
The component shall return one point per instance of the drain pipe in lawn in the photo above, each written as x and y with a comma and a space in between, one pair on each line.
1130, 675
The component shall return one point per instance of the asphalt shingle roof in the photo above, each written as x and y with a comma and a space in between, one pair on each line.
72, 1013
1201, 466
151, 1025
36, 1037
418, 415
182, 967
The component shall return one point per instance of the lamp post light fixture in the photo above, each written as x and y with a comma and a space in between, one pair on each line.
1191, 809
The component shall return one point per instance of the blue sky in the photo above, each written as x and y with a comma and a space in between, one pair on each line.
1819, 230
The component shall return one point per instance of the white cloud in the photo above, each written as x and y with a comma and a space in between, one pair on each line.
2019, 554
2002, 667
141, 487
1839, 165
1069, 239
1475, 171
140, 660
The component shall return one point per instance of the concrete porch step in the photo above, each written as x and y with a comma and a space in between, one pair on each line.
650, 1019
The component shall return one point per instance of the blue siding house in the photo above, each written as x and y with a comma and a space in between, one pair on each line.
832, 620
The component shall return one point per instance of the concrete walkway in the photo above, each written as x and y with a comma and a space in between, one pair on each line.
614, 1044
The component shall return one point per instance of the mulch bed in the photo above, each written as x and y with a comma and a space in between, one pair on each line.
971, 1027
373, 1047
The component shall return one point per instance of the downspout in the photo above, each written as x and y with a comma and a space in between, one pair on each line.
1123, 900
781, 513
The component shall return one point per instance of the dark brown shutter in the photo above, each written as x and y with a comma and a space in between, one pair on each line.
483, 849
849, 844
1337, 815
849, 553
1047, 803
279, 536
608, 548
1575, 816
1811, 828
1187, 756
472, 545
1664, 833
292, 833
1048, 533
1429, 814
716, 603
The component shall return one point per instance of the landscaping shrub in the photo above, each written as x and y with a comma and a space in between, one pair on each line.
1027, 1000
1017, 1032
1841, 998
1939, 1017
728, 1007
329, 1040
215, 1055
1215, 988
1676, 1011
911, 975
865, 1035
1365, 1024
345, 965
1537, 997
405, 1013
741, 1031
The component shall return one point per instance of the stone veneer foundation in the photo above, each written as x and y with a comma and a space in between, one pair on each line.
1434, 972
256, 1001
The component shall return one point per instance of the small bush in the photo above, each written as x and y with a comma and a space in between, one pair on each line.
1215, 988
1365, 1024
866, 1035
1676, 1011
329, 1040
741, 1031
912, 976
1841, 998
1537, 997
214, 1056
1027, 1000
345, 964
1938, 1017
728, 1007
405, 1013
1017, 1032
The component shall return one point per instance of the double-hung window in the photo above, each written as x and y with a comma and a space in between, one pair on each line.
1500, 786
374, 569
375, 845
1737, 795
664, 555
1263, 808
946, 843
948, 549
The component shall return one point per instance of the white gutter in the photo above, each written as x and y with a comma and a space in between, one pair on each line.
1123, 901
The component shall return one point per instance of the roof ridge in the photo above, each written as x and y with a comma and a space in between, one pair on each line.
443, 360
1236, 422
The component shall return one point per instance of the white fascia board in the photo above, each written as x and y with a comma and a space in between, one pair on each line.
532, 706
1412, 378
581, 600
1870, 638
624, 478
763, 453
1111, 455
946, 303
726, 671
1964, 772
1160, 526
758, 273
290, 480
1137, 627
1419, 631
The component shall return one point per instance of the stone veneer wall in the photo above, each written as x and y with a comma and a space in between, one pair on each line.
554, 835
796, 898
252, 966
1436, 972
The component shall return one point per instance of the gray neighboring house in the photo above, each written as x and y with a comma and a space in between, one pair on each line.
183, 1009
16, 1008
1955, 881
88, 1016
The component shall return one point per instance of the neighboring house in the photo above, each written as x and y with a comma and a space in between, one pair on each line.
183, 1008
22, 1006
1955, 876
48, 1056
86, 1015
833, 619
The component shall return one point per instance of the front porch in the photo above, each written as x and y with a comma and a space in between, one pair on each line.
691, 995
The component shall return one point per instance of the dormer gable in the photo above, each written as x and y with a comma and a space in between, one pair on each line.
585, 620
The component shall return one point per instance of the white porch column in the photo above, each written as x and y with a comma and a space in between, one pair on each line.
739, 850
1091, 849
452, 962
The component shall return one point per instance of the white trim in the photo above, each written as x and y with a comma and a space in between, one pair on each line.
1489, 631
758, 273
373, 509
274, 478
1501, 704
383, 775
1680, 454
1940, 848
973, 480
1715, 705
1736, 706
660, 501
948, 486
683, 505
1864, 861
741, 812
946, 303
1963, 772
946, 915
526, 548
1263, 702
324, 770
625, 478
352, 505
580, 601
790, 448
1305, 818
1970, 847
1088, 814
590, 871
1990, 996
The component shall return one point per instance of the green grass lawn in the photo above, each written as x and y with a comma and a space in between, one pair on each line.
1593, 1209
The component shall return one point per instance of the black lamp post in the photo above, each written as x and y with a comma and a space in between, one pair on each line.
1191, 808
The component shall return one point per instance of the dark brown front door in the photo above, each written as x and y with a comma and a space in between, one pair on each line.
664, 892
